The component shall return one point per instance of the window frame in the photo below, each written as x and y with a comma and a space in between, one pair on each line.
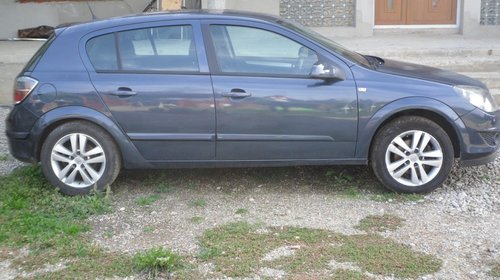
201, 57
323, 55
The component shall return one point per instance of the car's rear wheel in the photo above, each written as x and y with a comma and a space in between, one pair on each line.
78, 157
412, 155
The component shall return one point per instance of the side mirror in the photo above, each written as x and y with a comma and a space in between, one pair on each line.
320, 71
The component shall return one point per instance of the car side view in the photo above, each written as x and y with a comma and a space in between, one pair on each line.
234, 89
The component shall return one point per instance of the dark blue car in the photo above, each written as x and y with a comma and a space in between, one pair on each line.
227, 89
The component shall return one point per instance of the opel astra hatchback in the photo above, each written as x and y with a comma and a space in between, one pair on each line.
227, 89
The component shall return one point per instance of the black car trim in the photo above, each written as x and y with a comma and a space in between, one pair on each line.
17, 135
171, 136
273, 137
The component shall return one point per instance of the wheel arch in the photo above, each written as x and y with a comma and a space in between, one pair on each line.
130, 157
431, 109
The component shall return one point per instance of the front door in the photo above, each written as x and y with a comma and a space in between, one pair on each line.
415, 12
268, 107
152, 82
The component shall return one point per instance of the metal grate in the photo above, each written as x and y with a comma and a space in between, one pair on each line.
320, 13
490, 12
490, 138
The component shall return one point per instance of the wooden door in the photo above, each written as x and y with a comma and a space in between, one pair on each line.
407, 12
390, 12
432, 12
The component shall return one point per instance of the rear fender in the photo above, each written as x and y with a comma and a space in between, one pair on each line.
130, 155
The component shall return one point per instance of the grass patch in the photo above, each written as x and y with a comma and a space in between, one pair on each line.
163, 188
147, 200
344, 274
4, 157
237, 250
383, 256
495, 269
32, 211
34, 215
156, 261
90, 263
241, 211
351, 192
198, 202
197, 220
377, 223
148, 229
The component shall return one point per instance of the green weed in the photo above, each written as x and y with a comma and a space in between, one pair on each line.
156, 261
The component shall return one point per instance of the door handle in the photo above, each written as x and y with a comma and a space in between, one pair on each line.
236, 93
123, 92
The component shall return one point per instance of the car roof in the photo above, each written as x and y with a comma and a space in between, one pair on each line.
172, 15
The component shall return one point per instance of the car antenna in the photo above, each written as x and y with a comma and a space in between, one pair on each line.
91, 12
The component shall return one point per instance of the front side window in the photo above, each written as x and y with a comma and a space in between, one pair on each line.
170, 48
255, 51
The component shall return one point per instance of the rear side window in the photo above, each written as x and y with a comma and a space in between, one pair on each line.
169, 48
102, 52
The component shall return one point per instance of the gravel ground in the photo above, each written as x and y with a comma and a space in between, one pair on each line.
458, 223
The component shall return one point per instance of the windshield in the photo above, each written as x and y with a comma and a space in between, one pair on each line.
331, 45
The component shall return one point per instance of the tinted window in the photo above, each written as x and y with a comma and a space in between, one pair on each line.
102, 52
169, 48
251, 50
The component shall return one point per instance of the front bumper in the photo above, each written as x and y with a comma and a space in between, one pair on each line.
480, 137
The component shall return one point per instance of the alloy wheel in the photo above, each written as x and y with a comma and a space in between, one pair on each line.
78, 160
414, 158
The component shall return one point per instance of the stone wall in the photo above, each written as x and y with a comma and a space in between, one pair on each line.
490, 12
320, 13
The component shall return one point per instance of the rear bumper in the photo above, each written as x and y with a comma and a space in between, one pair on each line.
22, 149
480, 137
18, 125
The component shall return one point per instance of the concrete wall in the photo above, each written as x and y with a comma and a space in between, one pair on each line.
471, 16
14, 16
260, 6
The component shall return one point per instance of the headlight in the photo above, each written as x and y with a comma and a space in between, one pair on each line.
478, 97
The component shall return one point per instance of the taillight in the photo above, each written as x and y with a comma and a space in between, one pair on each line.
23, 87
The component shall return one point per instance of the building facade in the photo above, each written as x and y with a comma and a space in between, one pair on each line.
330, 17
369, 17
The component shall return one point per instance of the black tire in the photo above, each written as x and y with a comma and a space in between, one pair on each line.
418, 169
94, 171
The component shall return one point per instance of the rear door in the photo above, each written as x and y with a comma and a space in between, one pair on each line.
155, 81
268, 106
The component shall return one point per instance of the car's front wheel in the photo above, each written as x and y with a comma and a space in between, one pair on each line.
79, 156
412, 155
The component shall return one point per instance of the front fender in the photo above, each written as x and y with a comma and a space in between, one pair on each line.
367, 131
130, 155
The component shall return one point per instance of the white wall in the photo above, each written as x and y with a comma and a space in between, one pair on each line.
14, 16
261, 6
471, 16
